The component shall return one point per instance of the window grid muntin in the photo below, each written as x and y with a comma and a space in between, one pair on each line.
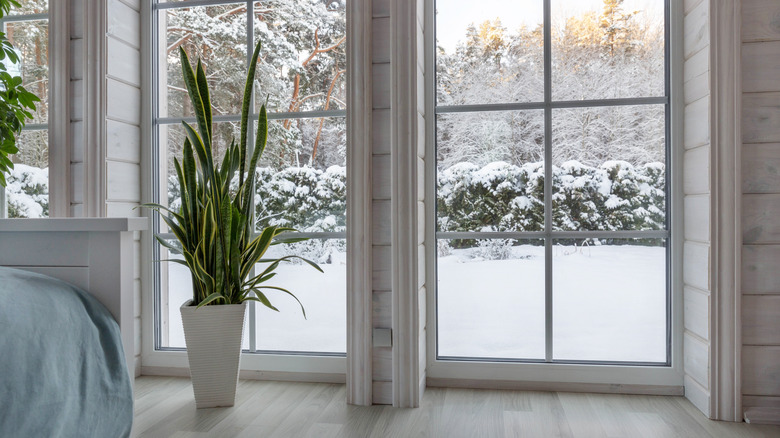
549, 234
158, 7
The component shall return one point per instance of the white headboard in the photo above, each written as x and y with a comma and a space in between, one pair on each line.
95, 254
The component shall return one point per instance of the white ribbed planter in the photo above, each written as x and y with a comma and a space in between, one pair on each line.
213, 335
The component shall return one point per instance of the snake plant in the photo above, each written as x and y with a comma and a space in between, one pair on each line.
214, 224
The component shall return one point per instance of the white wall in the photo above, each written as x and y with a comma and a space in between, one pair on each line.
696, 187
761, 203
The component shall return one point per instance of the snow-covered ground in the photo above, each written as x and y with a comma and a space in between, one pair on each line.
609, 304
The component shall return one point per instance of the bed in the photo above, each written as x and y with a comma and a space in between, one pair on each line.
67, 356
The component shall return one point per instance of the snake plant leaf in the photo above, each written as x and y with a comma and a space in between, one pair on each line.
247, 100
203, 89
191, 83
288, 293
213, 297
263, 299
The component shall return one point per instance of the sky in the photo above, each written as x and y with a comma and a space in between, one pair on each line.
452, 16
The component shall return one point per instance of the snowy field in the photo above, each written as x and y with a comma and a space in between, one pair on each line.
609, 304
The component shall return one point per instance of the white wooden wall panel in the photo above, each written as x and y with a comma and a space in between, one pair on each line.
123, 61
696, 131
124, 182
124, 102
761, 204
760, 370
697, 173
761, 217
697, 29
759, 20
697, 312
759, 322
124, 23
123, 142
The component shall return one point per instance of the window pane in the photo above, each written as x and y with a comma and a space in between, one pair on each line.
30, 7
482, 59
216, 34
302, 176
490, 299
303, 60
609, 171
491, 171
323, 296
31, 40
604, 50
609, 300
27, 190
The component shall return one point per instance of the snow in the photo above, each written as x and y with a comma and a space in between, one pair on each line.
609, 304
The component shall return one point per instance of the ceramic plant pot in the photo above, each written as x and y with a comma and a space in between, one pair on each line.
213, 335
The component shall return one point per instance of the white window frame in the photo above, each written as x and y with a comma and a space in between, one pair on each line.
59, 114
264, 366
555, 376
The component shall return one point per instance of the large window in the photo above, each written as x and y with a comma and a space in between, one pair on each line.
27, 28
302, 177
552, 148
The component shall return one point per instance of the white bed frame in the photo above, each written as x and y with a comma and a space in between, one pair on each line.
95, 254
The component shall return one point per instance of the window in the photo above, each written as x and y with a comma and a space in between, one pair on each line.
301, 178
27, 28
553, 163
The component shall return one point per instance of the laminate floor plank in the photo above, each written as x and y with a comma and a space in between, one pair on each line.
165, 408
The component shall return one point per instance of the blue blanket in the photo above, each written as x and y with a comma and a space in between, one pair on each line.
62, 367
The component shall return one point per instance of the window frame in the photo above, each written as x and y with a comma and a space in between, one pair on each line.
281, 365
667, 378
52, 122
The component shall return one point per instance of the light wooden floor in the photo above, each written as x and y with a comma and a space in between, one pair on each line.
165, 407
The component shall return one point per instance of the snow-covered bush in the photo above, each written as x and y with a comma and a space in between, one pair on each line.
493, 249
28, 192
503, 197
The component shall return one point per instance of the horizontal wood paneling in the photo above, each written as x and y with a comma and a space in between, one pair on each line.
76, 10
380, 40
123, 61
696, 66
696, 131
46, 251
696, 30
760, 64
760, 269
761, 218
381, 264
123, 181
697, 88
696, 359
381, 225
124, 102
382, 364
761, 370
696, 170
696, 312
124, 23
761, 117
380, 131
761, 168
696, 265
698, 395
760, 20
123, 141
77, 99
697, 218
381, 176
380, 8
76, 178
122, 209
381, 86
688, 5
76, 59
761, 320
383, 393
382, 307
749, 401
